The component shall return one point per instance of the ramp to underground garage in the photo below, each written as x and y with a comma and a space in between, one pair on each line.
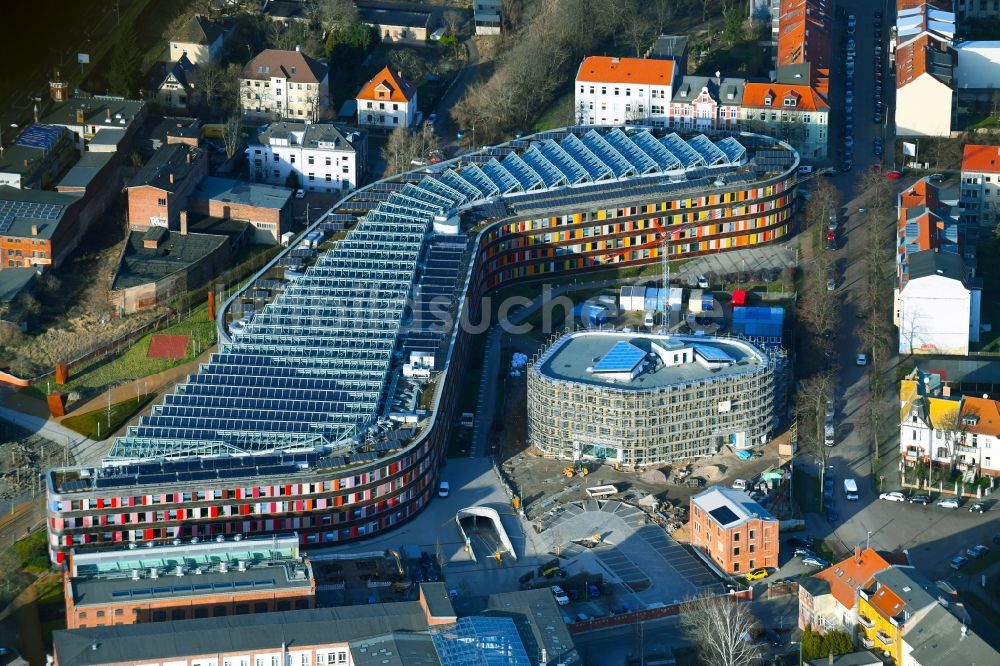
481, 526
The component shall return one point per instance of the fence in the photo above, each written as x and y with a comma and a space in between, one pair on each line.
642, 615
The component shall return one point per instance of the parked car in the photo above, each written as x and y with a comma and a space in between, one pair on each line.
978, 507
831, 284
861, 359
948, 503
977, 552
937, 177
804, 551
443, 489
894, 496
702, 282
561, 598
300, 194
799, 542
432, 118
920, 499
818, 562
893, 175
958, 562
774, 638
831, 515
755, 574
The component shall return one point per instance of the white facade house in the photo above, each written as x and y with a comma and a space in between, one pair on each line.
612, 91
199, 39
937, 308
284, 84
323, 157
980, 193
388, 100
925, 70
946, 430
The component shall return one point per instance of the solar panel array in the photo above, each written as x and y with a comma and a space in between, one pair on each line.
621, 358
311, 368
30, 210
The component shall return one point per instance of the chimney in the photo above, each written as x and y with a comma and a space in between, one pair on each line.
188, 157
298, 48
109, 113
171, 179
26, 163
36, 112
946, 391
79, 116
184, 222
857, 553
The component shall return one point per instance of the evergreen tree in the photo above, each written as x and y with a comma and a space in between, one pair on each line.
838, 642
126, 61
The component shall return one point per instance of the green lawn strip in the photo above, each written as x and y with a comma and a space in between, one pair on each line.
95, 424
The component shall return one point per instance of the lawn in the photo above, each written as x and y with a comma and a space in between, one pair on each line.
98, 424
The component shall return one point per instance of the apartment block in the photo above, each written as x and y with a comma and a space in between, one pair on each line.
612, 91
324, 157
980, 194
284, 84
733, 531
387, 101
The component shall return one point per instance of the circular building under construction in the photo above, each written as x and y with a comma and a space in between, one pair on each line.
643, 400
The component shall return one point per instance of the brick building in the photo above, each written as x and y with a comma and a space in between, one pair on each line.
186, 581
160, 191
266, 208
37, 227
732, 530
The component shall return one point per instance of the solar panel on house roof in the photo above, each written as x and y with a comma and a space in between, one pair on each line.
623, 357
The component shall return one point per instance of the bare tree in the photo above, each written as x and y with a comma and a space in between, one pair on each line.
231, 135
720, 628
635, 25
664, 10
335, 14
810, 413
400, 149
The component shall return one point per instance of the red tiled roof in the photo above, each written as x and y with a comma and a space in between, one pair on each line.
292, 65
913, 4
981, 159
988, 412
806, 98
645, 71
397, 88
887, 602
847, 576
805, 36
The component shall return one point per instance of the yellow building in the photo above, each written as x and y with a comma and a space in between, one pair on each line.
897, 598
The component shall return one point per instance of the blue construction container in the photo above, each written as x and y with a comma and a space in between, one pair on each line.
590, 314
758, 322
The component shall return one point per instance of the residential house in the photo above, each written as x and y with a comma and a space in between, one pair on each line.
285, 84
486, 15
38, 227
937, 305
959, 432
175, 84
980, 194
733, 531
613, 91
387, 101
160, 190
828, 599
37, 158
199, 40
398, 26
266, 208
804, 44
893, 601
702, 103
927, 220
323, 156
925, 67
977, 9
794, 113
91, 118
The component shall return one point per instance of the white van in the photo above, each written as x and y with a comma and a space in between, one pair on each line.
649, 320
850, 489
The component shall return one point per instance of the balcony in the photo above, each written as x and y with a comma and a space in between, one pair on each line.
867, 642
883, 638
866, 622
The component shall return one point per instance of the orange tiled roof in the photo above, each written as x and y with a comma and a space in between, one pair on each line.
807, 99
886, 602
805, 36
913, 4
644, 71
981, 159
398, 88
848, 575
988, 412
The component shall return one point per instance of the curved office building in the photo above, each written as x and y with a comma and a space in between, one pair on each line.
643, 399
326, 408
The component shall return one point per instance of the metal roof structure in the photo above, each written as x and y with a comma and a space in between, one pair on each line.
623, 357
481, 640
312, 369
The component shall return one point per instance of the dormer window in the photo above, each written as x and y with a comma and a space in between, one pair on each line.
970, 420
768, 100
791, 101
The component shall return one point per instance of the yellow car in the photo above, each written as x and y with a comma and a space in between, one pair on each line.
756, 574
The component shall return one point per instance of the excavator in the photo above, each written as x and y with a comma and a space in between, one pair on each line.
575, 470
